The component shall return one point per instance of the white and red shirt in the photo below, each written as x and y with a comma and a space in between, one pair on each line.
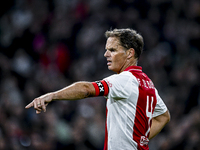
132, 101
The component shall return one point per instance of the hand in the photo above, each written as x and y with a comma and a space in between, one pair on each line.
40, 103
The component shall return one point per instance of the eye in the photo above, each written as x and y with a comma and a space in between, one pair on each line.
112, 50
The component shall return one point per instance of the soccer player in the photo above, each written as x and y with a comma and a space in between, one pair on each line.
135, 112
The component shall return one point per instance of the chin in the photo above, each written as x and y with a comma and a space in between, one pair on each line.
112, 69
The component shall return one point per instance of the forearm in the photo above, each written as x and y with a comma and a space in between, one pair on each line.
156, 127
78, 90
158, 124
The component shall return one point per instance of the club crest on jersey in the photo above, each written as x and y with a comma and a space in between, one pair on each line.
144, 141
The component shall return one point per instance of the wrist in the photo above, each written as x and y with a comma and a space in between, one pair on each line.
54, 96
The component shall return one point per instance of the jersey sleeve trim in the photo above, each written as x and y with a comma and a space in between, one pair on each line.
101, 88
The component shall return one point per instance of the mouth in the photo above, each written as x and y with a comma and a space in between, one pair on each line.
109, 62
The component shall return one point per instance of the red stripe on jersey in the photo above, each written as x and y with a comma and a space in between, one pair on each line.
105, 87
144, 110
106, 134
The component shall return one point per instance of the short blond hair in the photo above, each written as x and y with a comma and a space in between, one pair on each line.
128, 38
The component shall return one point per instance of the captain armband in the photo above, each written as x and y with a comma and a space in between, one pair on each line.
101, 88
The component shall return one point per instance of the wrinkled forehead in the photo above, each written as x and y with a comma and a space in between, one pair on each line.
112, 43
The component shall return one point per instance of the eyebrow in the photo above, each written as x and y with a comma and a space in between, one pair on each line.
110, 48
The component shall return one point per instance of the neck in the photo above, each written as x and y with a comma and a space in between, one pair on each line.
127, 64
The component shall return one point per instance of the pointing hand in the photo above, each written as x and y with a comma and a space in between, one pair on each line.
40, 103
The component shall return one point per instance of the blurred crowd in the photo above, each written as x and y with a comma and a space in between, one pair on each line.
46, 45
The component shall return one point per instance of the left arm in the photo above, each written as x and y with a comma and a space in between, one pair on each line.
158, 124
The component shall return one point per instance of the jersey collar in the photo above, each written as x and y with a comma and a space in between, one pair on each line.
133, 68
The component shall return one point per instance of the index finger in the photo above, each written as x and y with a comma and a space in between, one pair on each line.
29, 105
43, 106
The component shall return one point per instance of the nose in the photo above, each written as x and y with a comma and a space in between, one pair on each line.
106, 54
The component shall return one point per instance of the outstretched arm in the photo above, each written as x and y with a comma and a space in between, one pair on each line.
78, 90
158, 124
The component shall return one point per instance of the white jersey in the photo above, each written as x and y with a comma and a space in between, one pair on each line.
132, 101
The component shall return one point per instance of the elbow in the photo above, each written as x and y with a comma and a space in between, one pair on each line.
86, 90
168, 117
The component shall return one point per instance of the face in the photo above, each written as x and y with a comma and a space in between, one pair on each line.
115, 54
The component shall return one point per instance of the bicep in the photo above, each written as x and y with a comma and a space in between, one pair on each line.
160, 108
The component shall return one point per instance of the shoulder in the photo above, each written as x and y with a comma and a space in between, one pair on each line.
123, 78
123, 74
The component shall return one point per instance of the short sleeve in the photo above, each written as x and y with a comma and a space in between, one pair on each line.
119, 85
160, 106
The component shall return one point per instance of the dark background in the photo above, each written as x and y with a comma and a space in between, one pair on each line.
46, 45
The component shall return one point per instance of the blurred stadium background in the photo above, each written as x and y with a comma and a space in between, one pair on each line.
48, 44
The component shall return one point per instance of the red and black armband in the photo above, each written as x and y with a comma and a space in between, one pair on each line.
101, 88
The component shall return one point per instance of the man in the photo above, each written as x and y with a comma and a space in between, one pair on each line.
135, 111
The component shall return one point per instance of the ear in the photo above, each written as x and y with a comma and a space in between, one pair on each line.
130, 53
